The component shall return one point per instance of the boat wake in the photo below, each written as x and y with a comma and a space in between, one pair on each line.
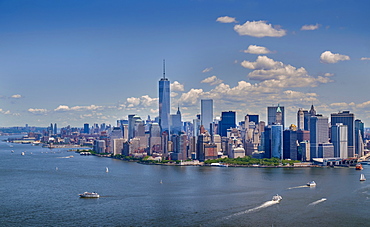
303, 186
264, 205
317, 202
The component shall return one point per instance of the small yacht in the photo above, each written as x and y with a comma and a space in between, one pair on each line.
277, 198
311, 184
362, 177
106, 169
89, 195
22, 153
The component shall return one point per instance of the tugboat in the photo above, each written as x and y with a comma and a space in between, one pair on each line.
277, 198
89, 195
359, 166
311, 184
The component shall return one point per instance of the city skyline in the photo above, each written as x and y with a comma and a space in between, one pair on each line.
99, 61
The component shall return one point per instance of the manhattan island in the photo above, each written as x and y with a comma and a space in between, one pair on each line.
312, 141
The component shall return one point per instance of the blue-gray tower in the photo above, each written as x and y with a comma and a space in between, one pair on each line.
164, 102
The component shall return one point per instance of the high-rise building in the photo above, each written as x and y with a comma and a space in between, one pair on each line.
206, 113
346, 118
55, 129
86, 128
275, 114
164, 102
228, 120
290, 149
359, 137
319, 134
339, 139
131, 124
277, 141
252, 118
176, 123
300, 119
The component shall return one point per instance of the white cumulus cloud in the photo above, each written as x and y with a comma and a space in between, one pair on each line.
310, 27
330, 58
259, 29
176, 86
254, 49
226, 19
212, 80
277, 74
365, 59
62, 108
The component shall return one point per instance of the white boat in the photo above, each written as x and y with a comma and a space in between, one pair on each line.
311, 184
12, 151
106, 169
22, 153
277, 198
89, 195
362, 177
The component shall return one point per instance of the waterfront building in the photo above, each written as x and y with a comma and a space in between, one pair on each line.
319, 134
203, 139
99, 146
290, 149
228, 120
304, 150
118, 146
237, 152
116, 133
277, 141
164, 102
346, 118
155, 138
359, 137
206, 114
326, 150
275, 114
339, 139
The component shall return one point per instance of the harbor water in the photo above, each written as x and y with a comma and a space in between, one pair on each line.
42, 187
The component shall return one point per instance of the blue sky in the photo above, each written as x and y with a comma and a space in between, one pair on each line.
75, 62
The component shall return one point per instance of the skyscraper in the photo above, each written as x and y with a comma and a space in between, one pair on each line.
277, 141
319, 134
227, 121
206, 114
164, 102
348, 119
339, 139
275, 114
359, 137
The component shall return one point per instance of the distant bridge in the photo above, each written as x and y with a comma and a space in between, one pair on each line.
364, 158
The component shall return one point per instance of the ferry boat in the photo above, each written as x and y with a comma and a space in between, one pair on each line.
362, 177
359, 166
89, 195
311, 184
277, 198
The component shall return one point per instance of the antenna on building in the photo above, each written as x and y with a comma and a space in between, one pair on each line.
164, 69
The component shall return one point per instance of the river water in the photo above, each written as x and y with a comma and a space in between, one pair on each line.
41, 188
